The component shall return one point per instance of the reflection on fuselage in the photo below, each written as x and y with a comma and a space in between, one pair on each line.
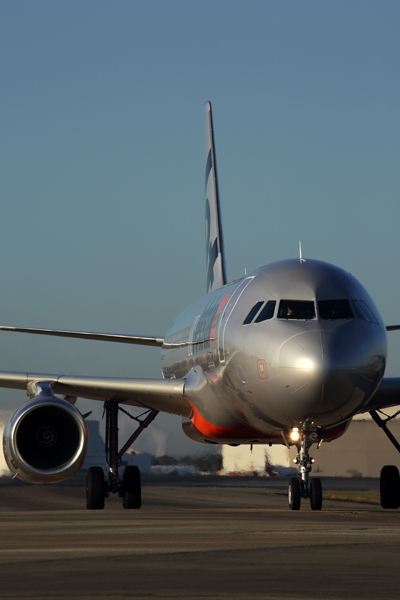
317, 355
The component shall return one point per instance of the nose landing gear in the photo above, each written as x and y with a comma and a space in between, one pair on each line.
303, 487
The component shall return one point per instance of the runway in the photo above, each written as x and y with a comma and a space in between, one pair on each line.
194, 542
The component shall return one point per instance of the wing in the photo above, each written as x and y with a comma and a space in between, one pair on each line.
387, 395
87, 335
392, 327
166, 395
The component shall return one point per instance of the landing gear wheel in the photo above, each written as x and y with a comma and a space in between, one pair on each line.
294, 494
131, 488
316, 494
95, 488
390, 487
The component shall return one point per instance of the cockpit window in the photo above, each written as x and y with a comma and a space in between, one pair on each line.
360, 312
364, 312
253, 313
296, 309
267, 312
331, 310
369, 312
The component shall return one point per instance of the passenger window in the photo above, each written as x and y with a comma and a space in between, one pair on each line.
253, 313
267, 312
296, 309
369, 312
331, 310
360, 312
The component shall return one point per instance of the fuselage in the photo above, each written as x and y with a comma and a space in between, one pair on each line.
292, 343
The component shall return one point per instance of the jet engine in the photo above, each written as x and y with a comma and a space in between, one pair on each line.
45, 440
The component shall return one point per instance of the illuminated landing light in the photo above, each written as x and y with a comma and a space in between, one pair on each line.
305, 364
294, 434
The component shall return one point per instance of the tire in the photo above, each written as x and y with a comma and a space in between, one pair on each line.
390, 487
95, 488
131, 488
316, 494
294, 493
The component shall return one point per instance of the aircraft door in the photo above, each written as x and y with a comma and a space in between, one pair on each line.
230, 305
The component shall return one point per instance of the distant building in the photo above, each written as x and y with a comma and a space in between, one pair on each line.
138, 459
96, 456
261, 459
361, 452
174, 469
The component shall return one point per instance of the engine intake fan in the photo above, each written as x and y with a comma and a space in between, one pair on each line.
46, 439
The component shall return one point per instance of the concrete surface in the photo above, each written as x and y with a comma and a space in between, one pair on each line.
194, 542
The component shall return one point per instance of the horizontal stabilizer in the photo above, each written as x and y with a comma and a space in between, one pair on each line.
87, 335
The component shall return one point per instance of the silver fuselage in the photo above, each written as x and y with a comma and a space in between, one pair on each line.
248, 382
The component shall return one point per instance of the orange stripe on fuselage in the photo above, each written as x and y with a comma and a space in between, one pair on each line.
236, 433
332, 433
217, 432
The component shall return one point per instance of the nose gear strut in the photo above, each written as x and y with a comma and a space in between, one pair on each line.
302, 487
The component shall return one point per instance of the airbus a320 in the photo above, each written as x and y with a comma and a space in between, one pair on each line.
287, 355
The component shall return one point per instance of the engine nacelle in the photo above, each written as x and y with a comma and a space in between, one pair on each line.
45, 440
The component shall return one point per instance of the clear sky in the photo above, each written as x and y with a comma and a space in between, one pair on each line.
102, 164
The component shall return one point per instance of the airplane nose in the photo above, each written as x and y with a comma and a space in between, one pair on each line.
317, 369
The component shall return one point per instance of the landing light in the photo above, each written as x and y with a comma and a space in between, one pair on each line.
305, 364
295, 434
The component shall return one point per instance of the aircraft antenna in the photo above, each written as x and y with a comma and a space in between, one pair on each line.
301, 258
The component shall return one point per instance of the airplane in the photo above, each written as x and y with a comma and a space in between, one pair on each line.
288, 354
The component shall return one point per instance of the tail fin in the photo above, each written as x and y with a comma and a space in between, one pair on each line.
216, 276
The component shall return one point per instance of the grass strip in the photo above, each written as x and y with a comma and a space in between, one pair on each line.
371, 497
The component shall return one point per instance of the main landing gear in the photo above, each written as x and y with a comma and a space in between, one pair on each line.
390, 479
302, 487
129, 488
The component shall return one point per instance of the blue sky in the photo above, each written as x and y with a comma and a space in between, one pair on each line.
102, 155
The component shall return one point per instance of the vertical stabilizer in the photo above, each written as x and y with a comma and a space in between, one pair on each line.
216, 276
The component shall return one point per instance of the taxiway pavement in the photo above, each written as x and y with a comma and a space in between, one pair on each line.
194, 542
